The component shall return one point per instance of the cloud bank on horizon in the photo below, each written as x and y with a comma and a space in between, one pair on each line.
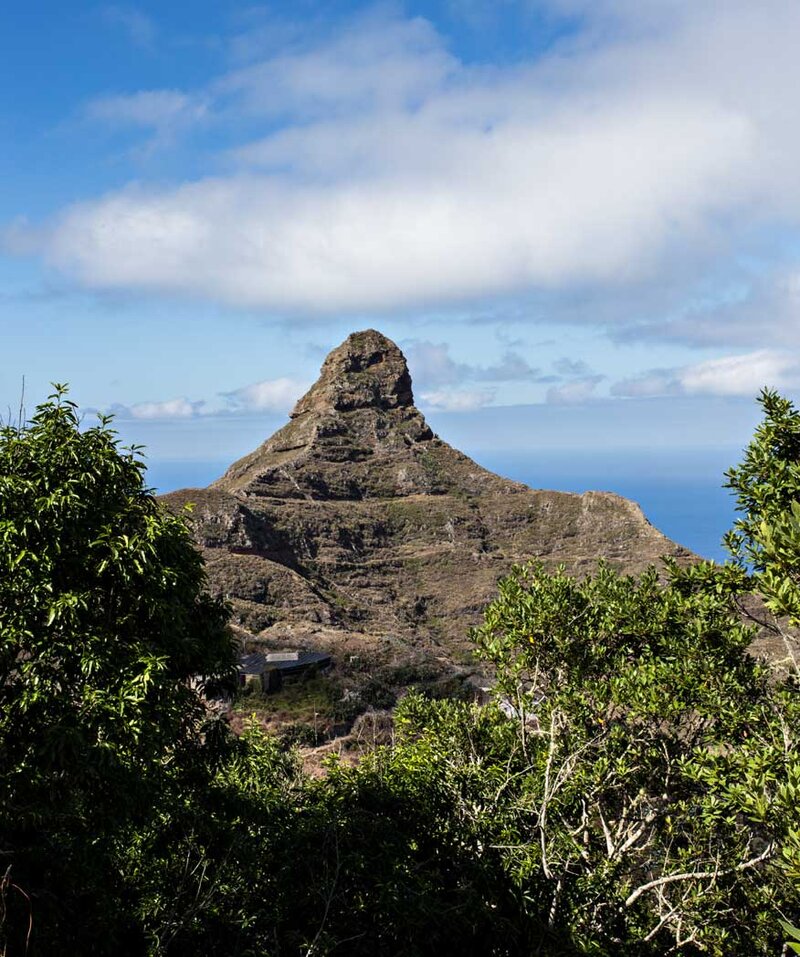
636, 176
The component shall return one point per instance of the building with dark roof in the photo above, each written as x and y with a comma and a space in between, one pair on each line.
269, 668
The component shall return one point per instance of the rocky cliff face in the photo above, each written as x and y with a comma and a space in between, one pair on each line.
355, 526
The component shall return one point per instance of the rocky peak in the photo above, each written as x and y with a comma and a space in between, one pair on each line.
355, 434
367, 371
355, 525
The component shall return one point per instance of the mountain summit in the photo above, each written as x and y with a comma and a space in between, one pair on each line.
367, 371
356, 434
354, 525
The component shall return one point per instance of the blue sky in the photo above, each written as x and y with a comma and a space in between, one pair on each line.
581, 220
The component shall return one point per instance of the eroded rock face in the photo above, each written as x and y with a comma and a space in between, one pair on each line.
367, 371
356, 524
354, 435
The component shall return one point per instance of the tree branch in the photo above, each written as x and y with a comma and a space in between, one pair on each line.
699, 875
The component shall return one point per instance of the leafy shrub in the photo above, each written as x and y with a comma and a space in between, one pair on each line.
649, 759
104, 626
453, 687
299, 735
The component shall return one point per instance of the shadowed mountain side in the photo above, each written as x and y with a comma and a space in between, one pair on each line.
356, 521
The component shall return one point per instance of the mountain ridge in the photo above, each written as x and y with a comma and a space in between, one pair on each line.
355, 525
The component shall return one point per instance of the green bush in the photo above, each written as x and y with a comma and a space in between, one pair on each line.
105, 628
299, 735
651, 761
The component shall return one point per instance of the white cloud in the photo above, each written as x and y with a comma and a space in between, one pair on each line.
654, 382
151, 109
512, 367
458, 400
271, 395
180, 408
738, 375
431, 364
141, 30
745, 312
393, 175
575, 391
594, 200
571, 367
377, 61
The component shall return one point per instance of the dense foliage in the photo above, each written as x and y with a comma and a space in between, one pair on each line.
766, 539
656, 763
633, 789
104, 624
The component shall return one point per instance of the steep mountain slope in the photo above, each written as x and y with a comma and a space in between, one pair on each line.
355, 526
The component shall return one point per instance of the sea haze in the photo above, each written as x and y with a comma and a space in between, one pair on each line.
680, 492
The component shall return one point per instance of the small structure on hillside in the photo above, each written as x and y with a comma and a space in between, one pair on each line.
255, 672
268, 669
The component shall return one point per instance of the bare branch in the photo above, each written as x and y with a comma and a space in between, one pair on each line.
699, 875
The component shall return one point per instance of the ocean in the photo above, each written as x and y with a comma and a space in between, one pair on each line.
680, 491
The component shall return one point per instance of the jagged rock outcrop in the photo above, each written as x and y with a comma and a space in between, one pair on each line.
355, 525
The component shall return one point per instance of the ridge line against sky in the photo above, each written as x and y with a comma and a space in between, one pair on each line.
555, 202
